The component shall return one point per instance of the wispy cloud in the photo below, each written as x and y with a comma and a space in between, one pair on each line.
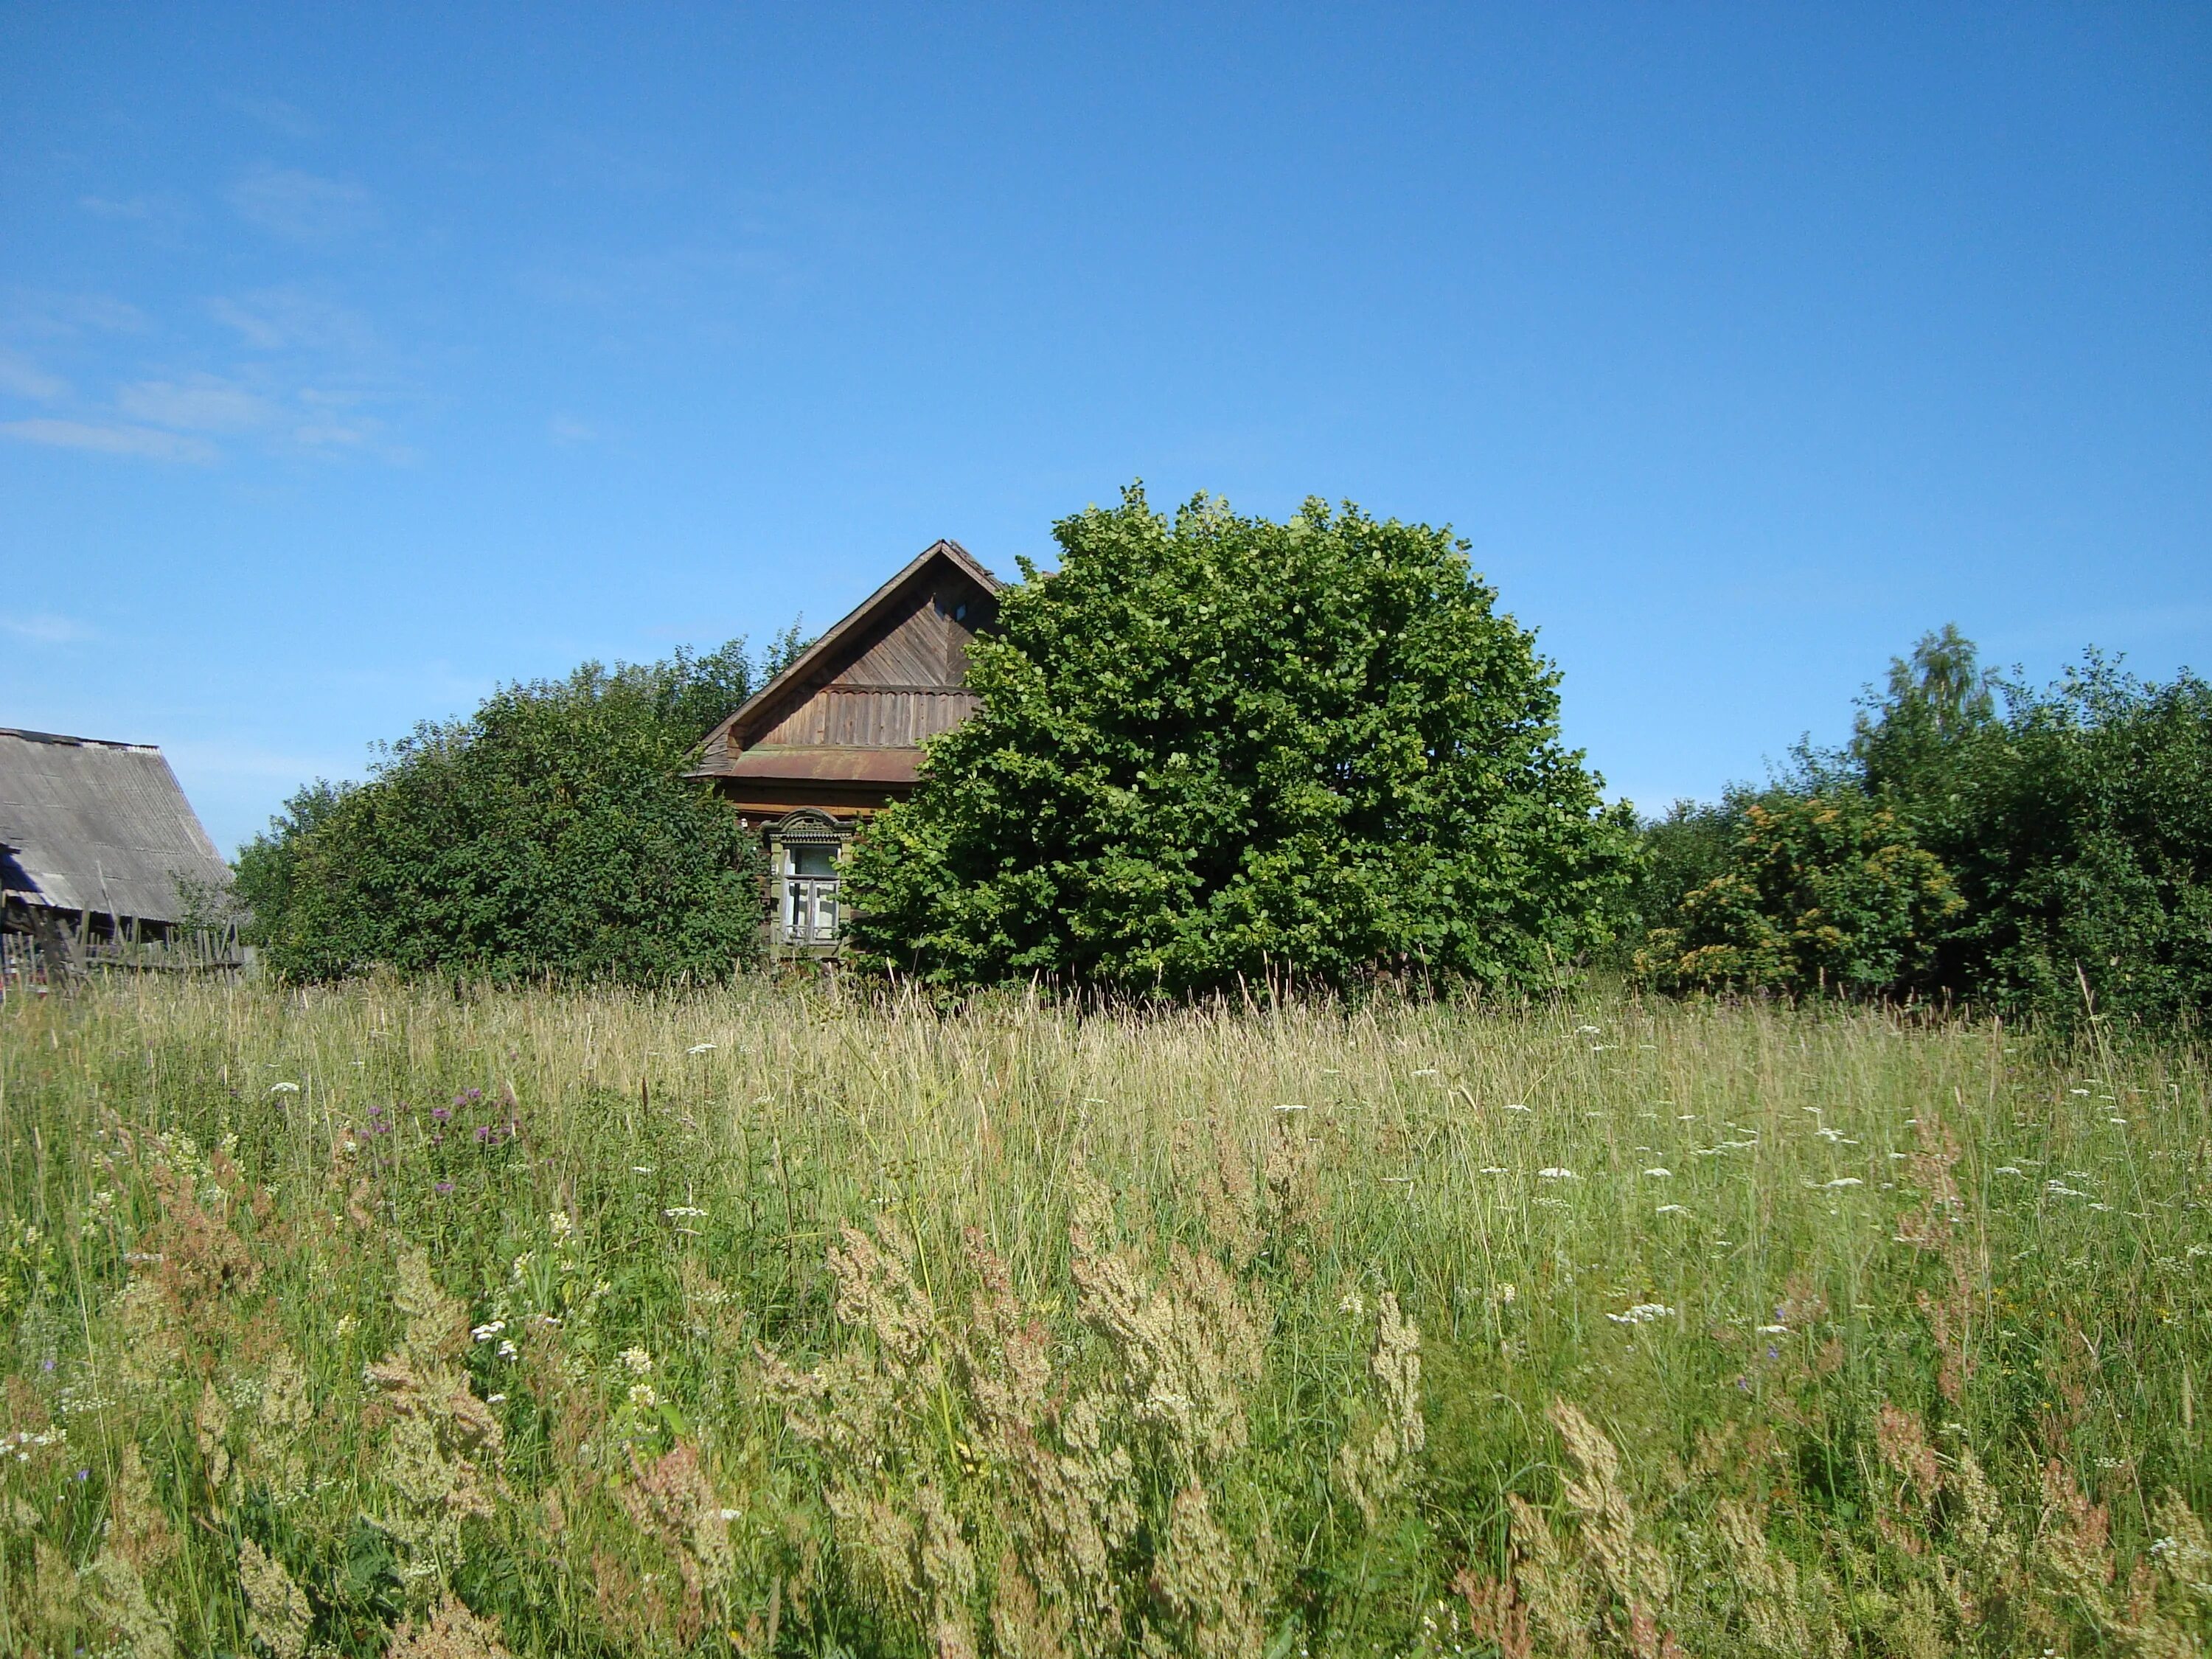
303, 207
566, 431
289, 320
202, 403
664, 280
225, 758
62, 316
25, 378
281, 116
106, 438
136, 210
46, 629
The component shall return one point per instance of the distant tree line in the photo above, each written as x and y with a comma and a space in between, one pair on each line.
1979, 839
552, 832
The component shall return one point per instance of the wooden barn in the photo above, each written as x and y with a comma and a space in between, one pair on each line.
101, 857
838, 734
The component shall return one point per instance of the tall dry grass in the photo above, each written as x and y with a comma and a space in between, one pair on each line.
380, 1321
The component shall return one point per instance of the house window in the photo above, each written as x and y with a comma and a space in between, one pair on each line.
809, 880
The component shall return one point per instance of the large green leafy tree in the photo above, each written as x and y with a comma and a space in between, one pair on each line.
1217, 748
2076, 818
553, 831
2030, 849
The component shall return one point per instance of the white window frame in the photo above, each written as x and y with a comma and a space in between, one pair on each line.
809, 912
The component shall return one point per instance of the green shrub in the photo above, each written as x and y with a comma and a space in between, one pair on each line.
1821, 893
2042, 850
1223, 748
553, 831
2076, 820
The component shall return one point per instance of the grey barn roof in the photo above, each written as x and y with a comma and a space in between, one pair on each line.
98, 826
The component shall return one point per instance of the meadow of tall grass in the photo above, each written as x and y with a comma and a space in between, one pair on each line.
382, 1319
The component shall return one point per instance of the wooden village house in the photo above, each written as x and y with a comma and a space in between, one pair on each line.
101, 857
838, 733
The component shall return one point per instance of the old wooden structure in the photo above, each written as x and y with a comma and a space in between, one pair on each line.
838, 734
101, 860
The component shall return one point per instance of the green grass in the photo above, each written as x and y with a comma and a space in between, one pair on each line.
1105, 1367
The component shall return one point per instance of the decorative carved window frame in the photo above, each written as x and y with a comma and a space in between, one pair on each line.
796, 918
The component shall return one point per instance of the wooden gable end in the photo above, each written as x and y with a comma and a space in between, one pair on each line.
856, 707
896, 682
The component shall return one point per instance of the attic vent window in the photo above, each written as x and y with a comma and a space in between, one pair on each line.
960, 612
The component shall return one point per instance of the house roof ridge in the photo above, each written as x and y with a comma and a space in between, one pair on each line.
943, 548
29, 736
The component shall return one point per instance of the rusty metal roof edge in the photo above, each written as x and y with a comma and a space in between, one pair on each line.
823, 763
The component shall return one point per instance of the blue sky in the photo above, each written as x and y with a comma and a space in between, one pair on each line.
354, 360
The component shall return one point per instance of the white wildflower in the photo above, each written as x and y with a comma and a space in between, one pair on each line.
1556, 1173
1642, 1314
485, 1333
638, 1361
642, 1396
1672, 1209
1845, 1181
284, 1089
1660, 1174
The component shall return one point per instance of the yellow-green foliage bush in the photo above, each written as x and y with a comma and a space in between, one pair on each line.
376, 1320
1824, 894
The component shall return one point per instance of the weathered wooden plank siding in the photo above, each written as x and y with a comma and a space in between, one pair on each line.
871, 717
901, 689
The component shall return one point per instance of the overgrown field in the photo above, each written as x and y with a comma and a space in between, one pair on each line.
760, 1322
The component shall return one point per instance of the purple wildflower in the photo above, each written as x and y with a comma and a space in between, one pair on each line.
442, 1113
483, 1134
443, 1187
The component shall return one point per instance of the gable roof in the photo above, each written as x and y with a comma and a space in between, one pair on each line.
98, 826
796, 677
